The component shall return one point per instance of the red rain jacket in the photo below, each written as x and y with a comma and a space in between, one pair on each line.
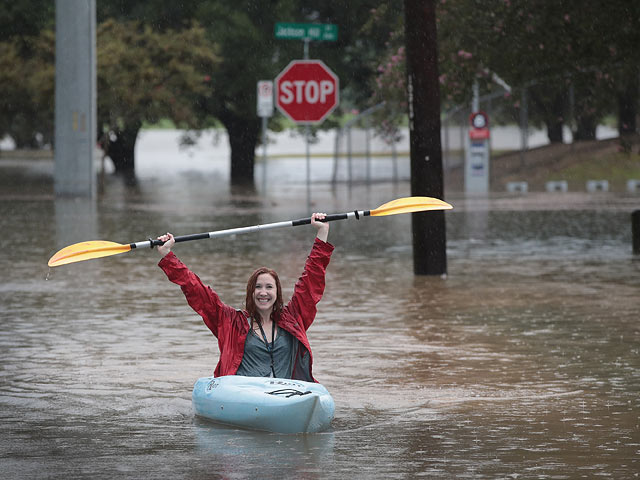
230, 326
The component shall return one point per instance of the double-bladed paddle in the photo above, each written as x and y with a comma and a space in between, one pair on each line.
79, 252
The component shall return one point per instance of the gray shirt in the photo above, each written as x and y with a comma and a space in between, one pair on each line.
256, 361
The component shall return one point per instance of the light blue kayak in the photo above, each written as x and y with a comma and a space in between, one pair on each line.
263, 403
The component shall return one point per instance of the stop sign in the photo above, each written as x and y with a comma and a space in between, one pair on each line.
307, 91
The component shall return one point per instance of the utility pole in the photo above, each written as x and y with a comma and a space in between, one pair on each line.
423, 91
75, 98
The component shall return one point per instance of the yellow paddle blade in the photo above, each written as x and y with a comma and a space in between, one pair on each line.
410, 204
86, 251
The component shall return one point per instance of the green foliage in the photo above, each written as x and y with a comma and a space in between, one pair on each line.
144, 76
26, 18
27, 52
155, 63
390, 77
27, 84
361, 42
544, 46
248, 51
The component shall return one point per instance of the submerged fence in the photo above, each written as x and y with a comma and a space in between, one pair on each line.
361, 155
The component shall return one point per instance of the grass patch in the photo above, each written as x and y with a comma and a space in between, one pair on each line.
162, 124
615, 167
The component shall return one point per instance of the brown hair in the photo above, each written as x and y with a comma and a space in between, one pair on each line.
251, 304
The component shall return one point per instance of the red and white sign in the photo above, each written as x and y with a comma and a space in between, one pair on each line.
265, 98
307, 91
479, 126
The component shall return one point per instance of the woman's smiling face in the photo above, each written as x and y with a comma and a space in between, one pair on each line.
265, 293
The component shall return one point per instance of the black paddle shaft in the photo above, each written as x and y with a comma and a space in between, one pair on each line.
328, 218
182, 238
293, 223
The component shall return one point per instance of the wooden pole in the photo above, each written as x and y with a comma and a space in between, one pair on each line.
423, 91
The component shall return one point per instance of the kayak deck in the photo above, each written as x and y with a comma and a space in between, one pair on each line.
263, 403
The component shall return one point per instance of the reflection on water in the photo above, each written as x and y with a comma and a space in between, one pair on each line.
246, 454
524, 362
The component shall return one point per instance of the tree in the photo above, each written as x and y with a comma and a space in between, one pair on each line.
248, 34
248, 52
26, 18
549, 48
525, 43
244, 32
144, 76
27, 72
560, 46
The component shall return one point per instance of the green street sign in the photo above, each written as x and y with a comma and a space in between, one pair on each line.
327, 32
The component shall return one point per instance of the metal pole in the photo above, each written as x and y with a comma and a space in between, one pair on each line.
394, 157
264, 154
524, 128
368, 150
635, 231
307, 133
447, 149
475, 103
349, 154
336, 148
305, 52
572, 105
490, 115
75, 98
462, 139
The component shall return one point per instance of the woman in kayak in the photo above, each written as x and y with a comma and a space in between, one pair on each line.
267, 338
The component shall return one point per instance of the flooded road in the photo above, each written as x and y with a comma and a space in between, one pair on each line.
523, 363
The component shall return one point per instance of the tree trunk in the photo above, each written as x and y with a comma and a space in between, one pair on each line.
586, 127
554, 131
628, 106
120, 148
555, 118
550, 103
586, 111
243, 137
23, 131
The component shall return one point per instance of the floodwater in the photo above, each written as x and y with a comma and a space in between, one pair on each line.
524, 362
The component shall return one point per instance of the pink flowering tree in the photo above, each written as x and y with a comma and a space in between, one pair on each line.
390, 88
549, 48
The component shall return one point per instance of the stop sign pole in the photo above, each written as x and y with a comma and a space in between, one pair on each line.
307, 91
264, 107
320, 91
